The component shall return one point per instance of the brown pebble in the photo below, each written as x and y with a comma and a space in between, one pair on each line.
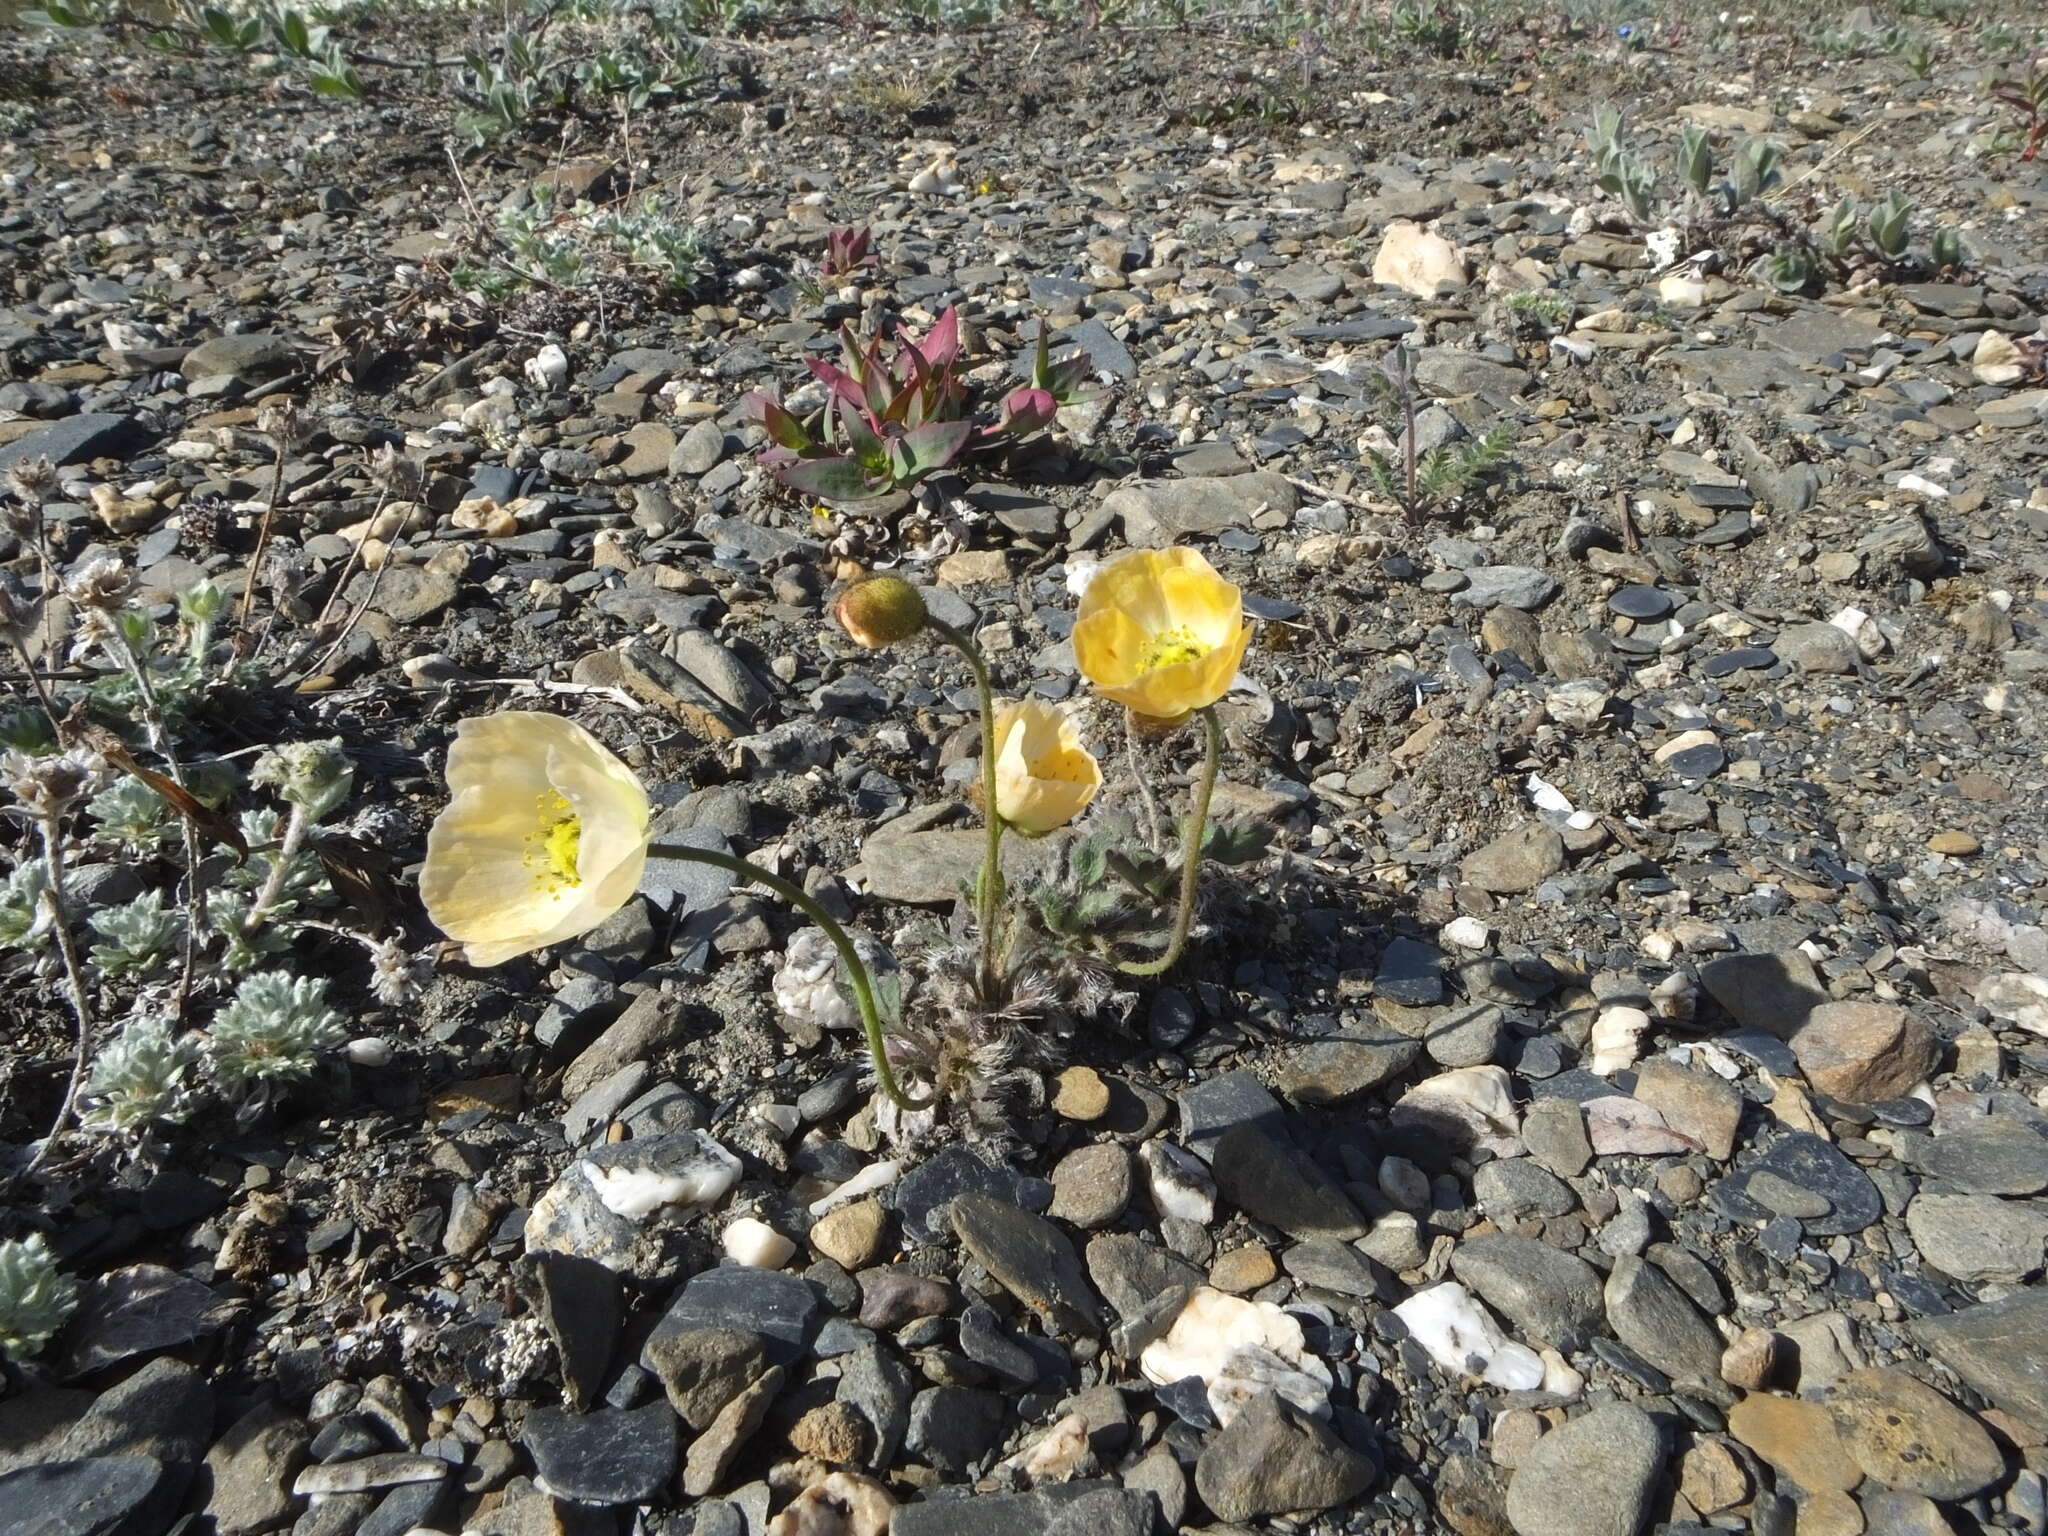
1956, 844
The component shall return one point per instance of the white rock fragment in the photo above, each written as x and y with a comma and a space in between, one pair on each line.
2018, 999
1997, 360
1238, 1348
1920, 485
1179, 1182
939, 179
548, 369
672, 1175
1466, 933
871, 1178
1478, 1099
1418, 262
368, 1051
757, 1245
1559, 1377
806, 984
1461, 1336
1617, 1039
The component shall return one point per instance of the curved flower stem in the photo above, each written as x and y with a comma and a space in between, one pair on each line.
1190, 856
988, 888
856, 968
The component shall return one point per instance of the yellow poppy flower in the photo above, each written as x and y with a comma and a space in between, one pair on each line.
1158, 630
1044, 776
543, 839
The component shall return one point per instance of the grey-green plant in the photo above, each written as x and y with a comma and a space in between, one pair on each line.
36, 1297
1791, 270
1889, 225
136, 937
273, 1033
144, 1079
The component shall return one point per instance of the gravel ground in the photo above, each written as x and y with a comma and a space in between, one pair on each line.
1615, 1101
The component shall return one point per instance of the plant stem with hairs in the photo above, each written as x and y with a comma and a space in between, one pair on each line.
856, 969
1190, 855
74, 976
988, 889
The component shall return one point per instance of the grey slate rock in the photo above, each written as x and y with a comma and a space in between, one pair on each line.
1653, 1317
579, 1304
1275, 1184
89, 1496
879, 1385
1065, 1509
95, 435
1210, 1108
1998, 1155
1811, 1163
612, 1456
953, 1428
1031, 1259
2000, 1348
1776, 993
1272, 1458
1590, 1477
782, 1308
1552, 1297
922, 1196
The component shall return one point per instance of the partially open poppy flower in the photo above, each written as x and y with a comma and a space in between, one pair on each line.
1160, 631
544, 837
1044, 776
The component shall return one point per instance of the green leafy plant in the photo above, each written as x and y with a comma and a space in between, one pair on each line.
1792, 270
35, 1297
1889, 225
142, 1079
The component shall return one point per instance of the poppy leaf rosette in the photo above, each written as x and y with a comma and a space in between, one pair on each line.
544, 837
1160, 632
1045, 777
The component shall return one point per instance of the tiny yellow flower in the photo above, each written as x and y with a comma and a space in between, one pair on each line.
1044, 776
543, 839
1159, 631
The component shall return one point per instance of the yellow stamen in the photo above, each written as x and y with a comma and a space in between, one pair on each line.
1169, 648
551, 849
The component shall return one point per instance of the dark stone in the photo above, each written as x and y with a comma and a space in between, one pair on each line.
2000, 1349
1273, 1458
781, 1308
92, 1496
879, 1385
1275, 1184
922, 1196
579, 1303
1066, 1509
1031, 1259
1811, 1163
1210, 1108
96, 435
953, 1428
1410, 974
1640, 602
612, 1456
1552, 1297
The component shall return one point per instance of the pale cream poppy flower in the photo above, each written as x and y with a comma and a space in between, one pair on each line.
544, 838
1044, 776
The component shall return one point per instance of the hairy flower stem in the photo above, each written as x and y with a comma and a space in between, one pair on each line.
856, 968
280, 867
988, 887
74, 977
160, 741
1190, 856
